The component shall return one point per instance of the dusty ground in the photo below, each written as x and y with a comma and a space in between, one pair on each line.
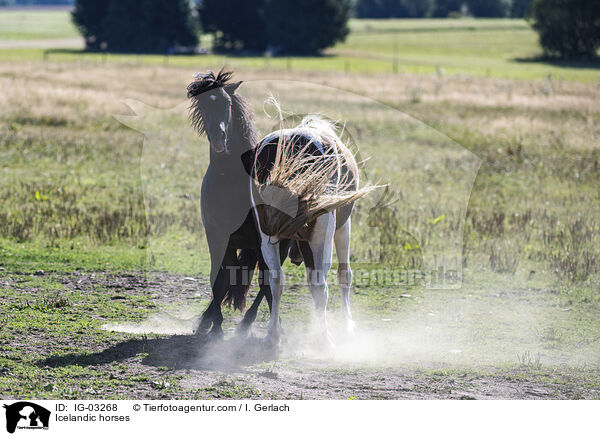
185, 366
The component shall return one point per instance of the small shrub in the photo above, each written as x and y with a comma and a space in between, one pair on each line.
489, 225
416, 94
528, 360
504, 256
574, 257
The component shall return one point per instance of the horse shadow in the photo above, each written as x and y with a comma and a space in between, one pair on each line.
176, 352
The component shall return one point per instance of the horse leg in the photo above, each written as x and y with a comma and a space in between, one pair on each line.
317, 254
342, 248
274, 273
250, 315
264, 291
321, 248
212, 315
295, 255
241, 278
248, 260
217, 246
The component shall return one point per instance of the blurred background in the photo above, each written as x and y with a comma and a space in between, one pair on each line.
501, 38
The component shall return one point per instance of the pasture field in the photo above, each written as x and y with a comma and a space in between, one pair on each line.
500, 48
32, 24
103, 265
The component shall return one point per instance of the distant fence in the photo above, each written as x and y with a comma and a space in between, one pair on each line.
266, 62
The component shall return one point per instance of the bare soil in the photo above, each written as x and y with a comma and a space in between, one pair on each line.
189, 366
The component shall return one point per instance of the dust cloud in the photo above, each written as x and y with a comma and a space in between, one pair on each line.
472, 332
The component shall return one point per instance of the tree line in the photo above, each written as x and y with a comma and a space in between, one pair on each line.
567, 28
441, 8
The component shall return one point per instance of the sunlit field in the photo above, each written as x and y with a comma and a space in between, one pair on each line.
499, 48
491, 157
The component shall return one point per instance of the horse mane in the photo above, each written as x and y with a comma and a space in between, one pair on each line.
240, 107
242, 112
317, 182
206, 81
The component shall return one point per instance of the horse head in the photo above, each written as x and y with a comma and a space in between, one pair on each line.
211, 110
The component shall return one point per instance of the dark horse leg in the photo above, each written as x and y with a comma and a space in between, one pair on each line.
265, 290
241, 278
212, 315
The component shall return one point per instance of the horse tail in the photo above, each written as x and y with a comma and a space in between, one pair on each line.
313, 173
238, 290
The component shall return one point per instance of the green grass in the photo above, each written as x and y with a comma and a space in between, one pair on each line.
492, 47
72, 202
503, 48
69, 256
32, 24
30, 308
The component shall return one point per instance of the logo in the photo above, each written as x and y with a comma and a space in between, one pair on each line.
26, 415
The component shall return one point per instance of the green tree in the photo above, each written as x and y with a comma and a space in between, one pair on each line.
139, 26
520, 8
88, 16
235, 24
306, 26
286, 26
418, 8
443, 8
488, 8
393, 8
567, 28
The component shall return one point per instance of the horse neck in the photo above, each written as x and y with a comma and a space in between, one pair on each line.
243, 139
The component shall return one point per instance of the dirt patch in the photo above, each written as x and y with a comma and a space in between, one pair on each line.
163, 288
245, 369
148, 365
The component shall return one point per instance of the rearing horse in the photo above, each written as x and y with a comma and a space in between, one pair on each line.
312, 168
225, 117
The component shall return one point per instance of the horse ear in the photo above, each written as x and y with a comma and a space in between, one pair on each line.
231, 87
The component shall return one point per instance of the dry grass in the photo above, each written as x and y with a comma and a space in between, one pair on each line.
537, 141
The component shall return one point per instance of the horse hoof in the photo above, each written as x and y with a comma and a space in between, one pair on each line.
243, 329
271, 341
215, 334
325, 344
350, 328
201, 333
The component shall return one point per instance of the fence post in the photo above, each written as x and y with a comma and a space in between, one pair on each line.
395, 63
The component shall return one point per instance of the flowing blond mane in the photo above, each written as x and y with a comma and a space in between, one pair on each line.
318, 182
